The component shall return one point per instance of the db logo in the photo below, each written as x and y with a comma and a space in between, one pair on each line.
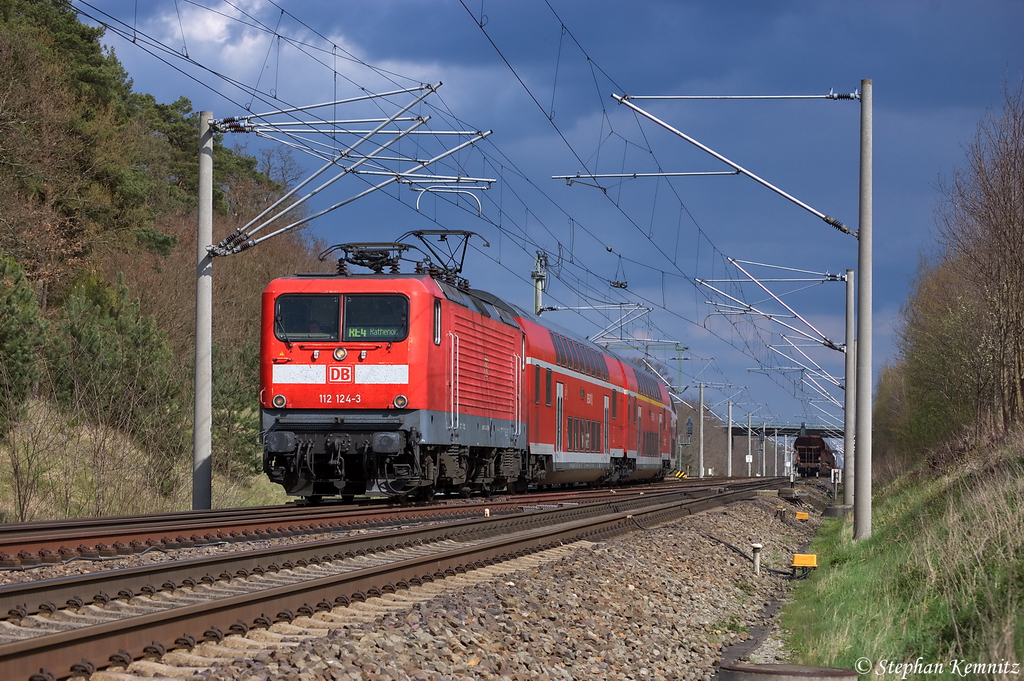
339, 374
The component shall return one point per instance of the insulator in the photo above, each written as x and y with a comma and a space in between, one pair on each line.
342, 267
395, 267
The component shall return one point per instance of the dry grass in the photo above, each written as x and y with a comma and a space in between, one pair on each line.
51, 467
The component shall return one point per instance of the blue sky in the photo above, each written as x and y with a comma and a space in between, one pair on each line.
540, 75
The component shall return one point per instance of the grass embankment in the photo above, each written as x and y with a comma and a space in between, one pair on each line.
941, 578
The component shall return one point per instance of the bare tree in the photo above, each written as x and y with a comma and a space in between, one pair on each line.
982, 227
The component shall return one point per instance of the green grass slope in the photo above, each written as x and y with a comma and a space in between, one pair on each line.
940, 581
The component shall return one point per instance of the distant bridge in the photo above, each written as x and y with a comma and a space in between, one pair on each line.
786, 429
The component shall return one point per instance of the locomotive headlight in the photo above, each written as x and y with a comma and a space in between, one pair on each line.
401, 402
279, 401
340, 353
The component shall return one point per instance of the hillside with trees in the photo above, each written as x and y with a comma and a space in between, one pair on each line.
97, 279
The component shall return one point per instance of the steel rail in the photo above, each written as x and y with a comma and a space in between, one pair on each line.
17, 600
196, 622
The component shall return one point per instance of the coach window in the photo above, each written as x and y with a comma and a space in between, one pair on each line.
574, 350
536, 385
547, 387
563, 345
556, 340
376, 318
615, 404
306, 317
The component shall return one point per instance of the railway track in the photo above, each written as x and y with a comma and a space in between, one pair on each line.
35, 543
75, 625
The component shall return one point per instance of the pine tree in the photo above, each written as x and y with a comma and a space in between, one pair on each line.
20, 336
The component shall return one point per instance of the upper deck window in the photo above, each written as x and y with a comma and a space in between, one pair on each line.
307, 317
373, 317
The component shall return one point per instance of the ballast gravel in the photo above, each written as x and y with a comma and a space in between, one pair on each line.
659, 603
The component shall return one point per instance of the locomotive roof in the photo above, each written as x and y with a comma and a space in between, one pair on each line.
812, 441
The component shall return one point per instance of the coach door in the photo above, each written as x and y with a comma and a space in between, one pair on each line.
559, 415
607, 425
639, 429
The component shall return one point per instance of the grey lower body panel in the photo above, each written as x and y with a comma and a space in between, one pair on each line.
434, 427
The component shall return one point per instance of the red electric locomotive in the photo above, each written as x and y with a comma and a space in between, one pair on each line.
389, 384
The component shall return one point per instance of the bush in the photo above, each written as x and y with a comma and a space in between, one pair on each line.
110, 365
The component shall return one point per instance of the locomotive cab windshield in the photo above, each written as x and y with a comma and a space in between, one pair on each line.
376, 317
315, 317
305, 317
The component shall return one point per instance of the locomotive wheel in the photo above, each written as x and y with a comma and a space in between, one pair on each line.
426, 494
